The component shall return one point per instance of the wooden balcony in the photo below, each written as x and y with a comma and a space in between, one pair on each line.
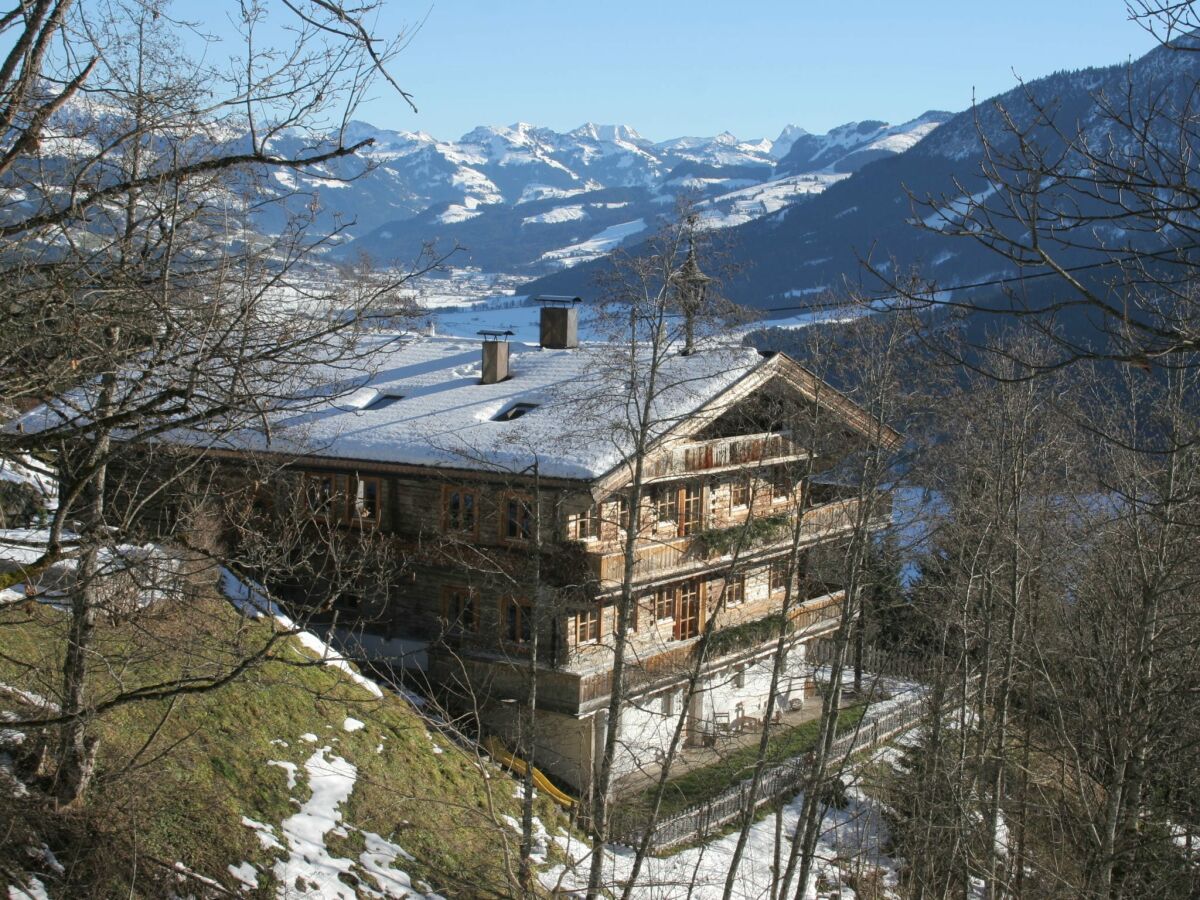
656, 558
561, 689
820, 614
725, 453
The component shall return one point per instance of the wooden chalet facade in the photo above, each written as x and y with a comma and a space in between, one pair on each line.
501, 557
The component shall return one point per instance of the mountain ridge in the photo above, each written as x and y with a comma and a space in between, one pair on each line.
810, 248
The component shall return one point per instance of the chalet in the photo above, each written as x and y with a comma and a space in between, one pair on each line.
502, 472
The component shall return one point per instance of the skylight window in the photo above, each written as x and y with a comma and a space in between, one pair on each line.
383, 401
513, 412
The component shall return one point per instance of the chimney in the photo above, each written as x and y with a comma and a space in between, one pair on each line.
495, 356
560, 322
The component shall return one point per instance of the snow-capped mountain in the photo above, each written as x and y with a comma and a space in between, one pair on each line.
529, 200
788, 253
525, 200
849, 147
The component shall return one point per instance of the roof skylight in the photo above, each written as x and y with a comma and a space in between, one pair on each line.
383, 401
515, 411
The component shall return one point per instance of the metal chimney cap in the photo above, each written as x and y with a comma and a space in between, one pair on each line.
557, 299
490, 335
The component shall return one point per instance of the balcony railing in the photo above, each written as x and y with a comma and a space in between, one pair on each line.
814, 616
657, 557
718, 453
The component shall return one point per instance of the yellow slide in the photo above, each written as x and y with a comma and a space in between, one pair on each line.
540, 781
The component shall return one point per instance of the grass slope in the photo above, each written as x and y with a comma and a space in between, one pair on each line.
176, 777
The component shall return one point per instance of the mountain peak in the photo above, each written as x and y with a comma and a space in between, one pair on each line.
606, 133
788, 136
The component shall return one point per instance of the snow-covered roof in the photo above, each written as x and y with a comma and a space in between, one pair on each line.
578, 426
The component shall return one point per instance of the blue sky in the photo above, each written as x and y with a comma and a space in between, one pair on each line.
669, 67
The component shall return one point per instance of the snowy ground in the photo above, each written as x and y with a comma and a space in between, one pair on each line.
849, 846
37, 476
308, 861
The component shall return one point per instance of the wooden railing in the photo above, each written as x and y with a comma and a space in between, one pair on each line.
718, 453
818, 614
654, 558
814, 615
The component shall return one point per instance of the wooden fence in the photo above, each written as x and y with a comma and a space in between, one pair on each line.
782, 779
875, 661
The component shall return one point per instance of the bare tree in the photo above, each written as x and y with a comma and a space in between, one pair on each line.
140, 295
657, 306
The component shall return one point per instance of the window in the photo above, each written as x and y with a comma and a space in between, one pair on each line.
623, 511
666, 503
664, 603
587, 626
461, 510
516, 620
460, 608
383, 401
782, 484
327, 494
739, 493
687, 620
514, 412
584, 526
366, 498
735, 589
692, 519
739, 677
778, 575
518, 519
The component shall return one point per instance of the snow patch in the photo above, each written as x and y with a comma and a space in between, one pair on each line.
264, 832
289, 769
310, 863
352, 724
253, 602
246, 874
597, 245
555, 216
35, 890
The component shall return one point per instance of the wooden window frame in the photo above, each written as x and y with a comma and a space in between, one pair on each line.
452, 618
740, 485
522, 622
525, 523
334, 501
592, 517
448, 492
589, 626
687, 624
777, 576
691, 509
666, 497
664, 603
622, 517
355, 497
735, 589
782, 478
